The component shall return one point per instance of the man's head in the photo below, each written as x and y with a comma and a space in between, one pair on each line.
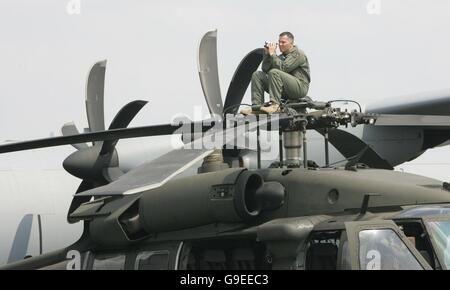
285, 41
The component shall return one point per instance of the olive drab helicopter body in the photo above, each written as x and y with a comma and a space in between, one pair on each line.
291, 215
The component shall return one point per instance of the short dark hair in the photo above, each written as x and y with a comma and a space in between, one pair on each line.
288, 34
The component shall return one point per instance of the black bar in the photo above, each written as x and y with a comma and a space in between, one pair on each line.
365, 204
258, 145
327, 152
280, 144
305, 155
305, 152
40, 233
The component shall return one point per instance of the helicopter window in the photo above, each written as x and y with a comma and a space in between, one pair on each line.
440, 233
243, 259
322, 251
414, 231
384, 250
421, 211
109, 262
155, 260
239, 254
345, 263
206, 259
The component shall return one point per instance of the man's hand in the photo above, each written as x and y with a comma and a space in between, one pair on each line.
272, 48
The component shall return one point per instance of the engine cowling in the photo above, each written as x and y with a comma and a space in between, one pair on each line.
227, 196
232, 195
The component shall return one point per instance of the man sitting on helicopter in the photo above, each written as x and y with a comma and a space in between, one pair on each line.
284, 76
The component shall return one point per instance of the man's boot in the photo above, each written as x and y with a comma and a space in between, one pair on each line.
247, 111
274, 108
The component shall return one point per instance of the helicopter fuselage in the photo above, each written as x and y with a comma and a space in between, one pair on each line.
188, 224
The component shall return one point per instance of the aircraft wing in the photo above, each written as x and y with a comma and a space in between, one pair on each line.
429, 103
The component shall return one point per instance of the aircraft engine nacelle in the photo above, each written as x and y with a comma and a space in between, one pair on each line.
232, 195
227, 196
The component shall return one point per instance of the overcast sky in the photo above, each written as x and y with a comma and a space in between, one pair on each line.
47, 49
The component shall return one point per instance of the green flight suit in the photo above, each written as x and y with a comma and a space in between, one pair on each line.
283, 76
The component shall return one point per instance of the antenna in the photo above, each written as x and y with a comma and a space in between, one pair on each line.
365, 203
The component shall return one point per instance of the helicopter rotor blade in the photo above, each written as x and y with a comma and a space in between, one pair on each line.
349, 145
411, 120
94, 97
155, 173
150, 174
114, 134
208, 72
241, 79
100, 162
